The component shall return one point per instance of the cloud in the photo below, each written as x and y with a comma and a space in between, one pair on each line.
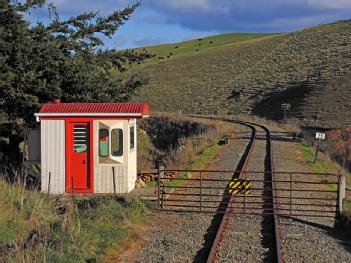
189, 6
239, 15
177, 19
104, 7
290, 24
330, 4
185, 4
152, 19
218, 15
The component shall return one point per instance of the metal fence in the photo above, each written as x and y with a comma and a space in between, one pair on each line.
299, 193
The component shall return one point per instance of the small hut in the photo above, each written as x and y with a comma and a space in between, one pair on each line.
89, 147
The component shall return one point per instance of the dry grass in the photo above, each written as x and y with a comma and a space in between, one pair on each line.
36, 227
191, 149
257, 76
146, 151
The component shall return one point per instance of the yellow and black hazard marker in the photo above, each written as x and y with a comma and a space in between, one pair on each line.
240, 186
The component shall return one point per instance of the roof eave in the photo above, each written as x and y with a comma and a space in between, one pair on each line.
124, 114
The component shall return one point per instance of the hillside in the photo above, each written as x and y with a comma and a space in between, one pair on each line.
308, 68
190, 47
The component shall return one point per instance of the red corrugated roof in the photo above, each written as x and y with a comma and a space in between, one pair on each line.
132, 109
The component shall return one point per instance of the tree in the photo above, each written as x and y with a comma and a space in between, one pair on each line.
64, 59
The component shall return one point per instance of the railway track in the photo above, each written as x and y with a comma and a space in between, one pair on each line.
211, 224
268, 223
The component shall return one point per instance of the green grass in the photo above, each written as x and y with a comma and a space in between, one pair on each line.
94, 231
199, 45
320, 166
61, 229
198, 163
207, 156
23, 212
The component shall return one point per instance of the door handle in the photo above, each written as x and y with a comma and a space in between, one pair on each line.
83, 162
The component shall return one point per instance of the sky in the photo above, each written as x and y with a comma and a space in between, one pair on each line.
169, 21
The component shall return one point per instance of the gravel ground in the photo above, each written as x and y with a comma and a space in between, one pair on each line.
187, 237
308, 239
252, 232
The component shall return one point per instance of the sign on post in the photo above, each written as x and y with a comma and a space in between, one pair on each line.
320, 135
240, 186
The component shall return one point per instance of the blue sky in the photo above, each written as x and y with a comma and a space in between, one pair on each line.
167, 21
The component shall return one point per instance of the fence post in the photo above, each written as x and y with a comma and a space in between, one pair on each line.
114, 180
341, 192
290, 192
49, 182
160, 175
200, 192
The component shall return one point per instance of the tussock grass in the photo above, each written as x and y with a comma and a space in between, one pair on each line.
35, 227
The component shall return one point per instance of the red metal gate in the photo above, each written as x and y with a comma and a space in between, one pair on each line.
297, 193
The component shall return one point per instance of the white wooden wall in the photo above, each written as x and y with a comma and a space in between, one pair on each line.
53, 156
132, 157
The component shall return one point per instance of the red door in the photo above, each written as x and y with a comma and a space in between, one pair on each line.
78, 152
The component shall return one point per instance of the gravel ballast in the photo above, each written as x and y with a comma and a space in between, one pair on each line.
248, 238
308, 239
187, 237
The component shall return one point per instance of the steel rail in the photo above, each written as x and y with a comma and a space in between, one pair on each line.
279, 251
224, 222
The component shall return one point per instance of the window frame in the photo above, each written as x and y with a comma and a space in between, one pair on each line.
121, 142
132, 128
108, 142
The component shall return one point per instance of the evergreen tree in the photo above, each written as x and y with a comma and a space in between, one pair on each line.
64, 59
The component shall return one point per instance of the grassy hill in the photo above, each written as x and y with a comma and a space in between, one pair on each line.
176, 50
255, 74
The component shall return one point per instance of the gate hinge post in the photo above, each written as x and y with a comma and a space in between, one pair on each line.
160, 171
341, 192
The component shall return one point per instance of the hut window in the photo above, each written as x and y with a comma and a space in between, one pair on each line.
103, 142
117, 142
132, 137
80, 138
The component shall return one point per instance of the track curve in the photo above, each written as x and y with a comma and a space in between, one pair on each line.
277, 251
